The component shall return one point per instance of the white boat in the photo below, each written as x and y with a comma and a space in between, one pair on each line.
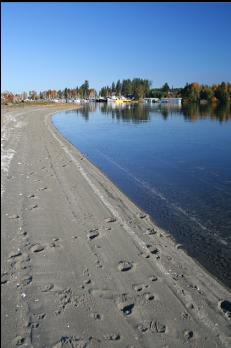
112, 99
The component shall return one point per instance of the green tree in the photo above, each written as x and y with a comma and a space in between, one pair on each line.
113, 87
60, 94
65, 94
118, 88
222, 93
206, 93
84, 89
165, 89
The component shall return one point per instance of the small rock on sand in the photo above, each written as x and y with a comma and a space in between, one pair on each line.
179, 246
225, 306
126, 308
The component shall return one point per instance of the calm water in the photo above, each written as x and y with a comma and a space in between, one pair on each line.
173, 163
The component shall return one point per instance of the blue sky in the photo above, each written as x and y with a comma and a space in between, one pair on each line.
58, 45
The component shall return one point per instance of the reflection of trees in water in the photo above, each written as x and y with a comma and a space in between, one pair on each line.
127, 113
193, 112
84, 111
138, 113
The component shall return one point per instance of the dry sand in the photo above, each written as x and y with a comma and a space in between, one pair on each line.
82, 266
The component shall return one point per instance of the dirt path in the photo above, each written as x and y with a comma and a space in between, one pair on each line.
82, 266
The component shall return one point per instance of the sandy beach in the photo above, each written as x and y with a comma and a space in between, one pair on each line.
83, 266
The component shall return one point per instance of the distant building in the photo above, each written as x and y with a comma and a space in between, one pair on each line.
151, 100
174, 101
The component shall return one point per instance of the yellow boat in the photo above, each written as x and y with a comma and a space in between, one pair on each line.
120, 101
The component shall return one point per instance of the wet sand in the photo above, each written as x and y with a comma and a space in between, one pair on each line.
82, 266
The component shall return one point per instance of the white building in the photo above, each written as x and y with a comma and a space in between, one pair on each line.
174, 101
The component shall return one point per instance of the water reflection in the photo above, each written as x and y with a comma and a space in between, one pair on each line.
220, 112
138, 113
84, 111
128, 113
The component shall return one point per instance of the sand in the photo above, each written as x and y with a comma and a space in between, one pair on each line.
82, 266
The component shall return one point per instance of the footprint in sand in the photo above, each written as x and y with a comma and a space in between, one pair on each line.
74, 237
96, 316
31, 195
22, 233
153, 326
150, 231
145, 255
47, 287
18, 341
36, 248
4, 278
40, 316
93, 234
42, 188
34, 325
152, 249
153, 278
144, 326
148, 296
125, 266
188, 334
14, 216
157, 326
53, 244
140, 287
76, 342
27, 280
112, 337
15, 254
142, 215
33, 207
110, 219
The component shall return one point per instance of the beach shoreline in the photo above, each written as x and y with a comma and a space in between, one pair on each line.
81, 262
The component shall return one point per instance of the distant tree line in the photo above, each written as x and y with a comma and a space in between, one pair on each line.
195, 92
81, 92
136, 89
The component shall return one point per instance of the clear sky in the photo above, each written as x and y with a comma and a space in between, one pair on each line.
58, 45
